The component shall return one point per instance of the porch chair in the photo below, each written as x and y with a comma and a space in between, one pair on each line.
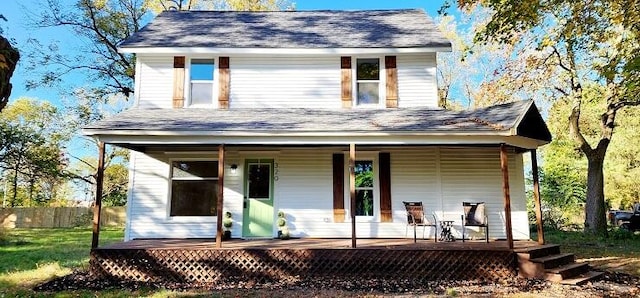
417, 218
475, 216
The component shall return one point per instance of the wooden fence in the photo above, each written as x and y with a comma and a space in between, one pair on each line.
59, 217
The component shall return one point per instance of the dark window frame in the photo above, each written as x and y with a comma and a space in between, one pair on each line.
211, 180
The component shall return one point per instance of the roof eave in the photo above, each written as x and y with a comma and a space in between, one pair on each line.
302, 139
281, 51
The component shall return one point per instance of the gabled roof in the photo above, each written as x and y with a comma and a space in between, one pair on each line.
404, 28
505, 120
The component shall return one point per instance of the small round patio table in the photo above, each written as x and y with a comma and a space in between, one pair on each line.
445, 231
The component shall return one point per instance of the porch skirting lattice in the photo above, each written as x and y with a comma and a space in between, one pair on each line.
270, 265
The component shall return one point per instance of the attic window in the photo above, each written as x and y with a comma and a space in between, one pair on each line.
201, 81
368, 81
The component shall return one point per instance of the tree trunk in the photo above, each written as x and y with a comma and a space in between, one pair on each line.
9, 57
15, 188
595, 214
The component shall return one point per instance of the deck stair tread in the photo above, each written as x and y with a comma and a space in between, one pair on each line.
560, 273
538, 252
535, 248
560, 269
582, 278
554, 257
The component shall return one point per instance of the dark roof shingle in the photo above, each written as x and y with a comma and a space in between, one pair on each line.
405, 28
495, 118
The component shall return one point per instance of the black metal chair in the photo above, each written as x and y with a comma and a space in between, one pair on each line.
475, 216
417, 218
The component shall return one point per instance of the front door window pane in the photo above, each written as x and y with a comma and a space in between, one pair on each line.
259, 181
364, 187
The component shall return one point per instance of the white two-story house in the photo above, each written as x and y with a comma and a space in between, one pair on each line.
254, 113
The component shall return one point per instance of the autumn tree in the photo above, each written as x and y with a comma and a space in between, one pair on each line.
464, 72
578, 43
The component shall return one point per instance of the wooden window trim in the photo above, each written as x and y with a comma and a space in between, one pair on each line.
391, 70
346, 74
224, 82
384, 164
178, 81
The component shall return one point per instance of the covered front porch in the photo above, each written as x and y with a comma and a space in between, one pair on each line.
422, 155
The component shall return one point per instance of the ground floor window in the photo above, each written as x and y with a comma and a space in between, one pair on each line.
194, 188
364, 187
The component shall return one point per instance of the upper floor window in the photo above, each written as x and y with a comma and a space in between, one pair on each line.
368, 81
201, 81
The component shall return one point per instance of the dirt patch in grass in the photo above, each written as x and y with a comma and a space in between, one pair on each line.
612, 284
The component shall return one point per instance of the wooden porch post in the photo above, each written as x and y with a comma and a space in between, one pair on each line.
504, 165
220, 196
97, 208
352, 191
536, 195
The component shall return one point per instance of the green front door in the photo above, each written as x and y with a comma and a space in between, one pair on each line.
258, 198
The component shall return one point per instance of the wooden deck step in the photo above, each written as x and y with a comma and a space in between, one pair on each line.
555, 260
533, 252
583, 278
560, 273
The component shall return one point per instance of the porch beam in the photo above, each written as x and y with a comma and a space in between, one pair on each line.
352, 191
504, 165
97, 208
536, 195
219, 202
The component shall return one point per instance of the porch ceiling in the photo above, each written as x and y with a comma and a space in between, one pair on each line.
517, 123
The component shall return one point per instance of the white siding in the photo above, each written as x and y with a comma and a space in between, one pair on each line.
474, 175
276, 82
283, 81
417, 85
442, 178
155, 86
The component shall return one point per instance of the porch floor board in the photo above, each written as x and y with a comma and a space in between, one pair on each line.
316, 243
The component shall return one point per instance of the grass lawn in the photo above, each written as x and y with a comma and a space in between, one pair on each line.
619, 252
32, 256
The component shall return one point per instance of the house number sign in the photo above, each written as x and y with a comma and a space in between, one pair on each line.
275, 171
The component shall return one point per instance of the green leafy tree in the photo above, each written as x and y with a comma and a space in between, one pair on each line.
30, 150
577, 43
563, 179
